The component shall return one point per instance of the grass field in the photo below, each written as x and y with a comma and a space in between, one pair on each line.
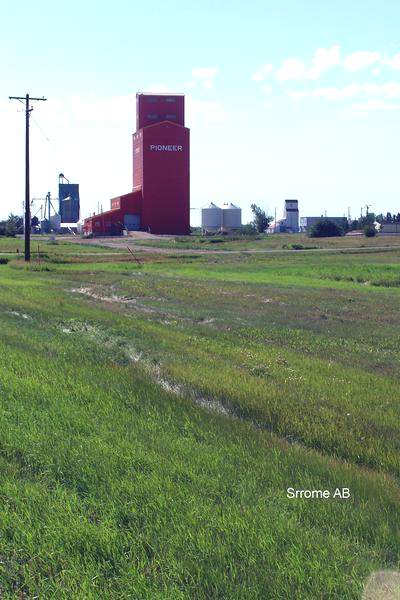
154, 415
43, 245
270, 242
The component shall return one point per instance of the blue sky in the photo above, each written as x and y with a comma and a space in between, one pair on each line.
284, 99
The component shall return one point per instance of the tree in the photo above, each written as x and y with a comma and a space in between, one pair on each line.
261, 220
369, 230
370, 218
353, 225
14, 225
389, 218
326, 228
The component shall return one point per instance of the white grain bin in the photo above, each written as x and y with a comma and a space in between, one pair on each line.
211, 217
231, 216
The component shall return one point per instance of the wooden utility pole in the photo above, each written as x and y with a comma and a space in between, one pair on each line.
27, 221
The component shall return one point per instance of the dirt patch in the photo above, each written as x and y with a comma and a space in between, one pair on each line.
20, 315
114, 299
155, 372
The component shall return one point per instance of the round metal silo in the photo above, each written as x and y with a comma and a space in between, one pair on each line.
231, 216
211, 217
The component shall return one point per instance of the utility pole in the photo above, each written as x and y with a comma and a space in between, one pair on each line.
27, 222
48, 200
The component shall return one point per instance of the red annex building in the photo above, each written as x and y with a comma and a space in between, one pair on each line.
160, 197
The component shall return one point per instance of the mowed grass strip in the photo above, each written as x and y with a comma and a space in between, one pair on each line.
111, 487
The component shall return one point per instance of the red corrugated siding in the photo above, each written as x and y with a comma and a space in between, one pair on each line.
111, 221
161, 172
166, 185
155, 108
137, 159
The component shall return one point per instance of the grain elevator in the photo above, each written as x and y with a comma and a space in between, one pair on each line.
160, 198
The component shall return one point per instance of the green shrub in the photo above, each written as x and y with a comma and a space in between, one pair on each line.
369, 230
326, 228
249, 229
298, 247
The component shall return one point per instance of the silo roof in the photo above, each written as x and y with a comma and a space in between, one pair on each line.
230, 206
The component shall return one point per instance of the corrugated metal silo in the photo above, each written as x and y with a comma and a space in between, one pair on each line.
231, 216
211, 217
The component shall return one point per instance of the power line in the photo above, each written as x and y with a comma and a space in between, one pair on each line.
27, 222
40, 129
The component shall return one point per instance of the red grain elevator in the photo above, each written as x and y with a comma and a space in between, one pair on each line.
160, 197
161, 159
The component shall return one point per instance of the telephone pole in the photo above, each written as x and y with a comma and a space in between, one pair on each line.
27, 221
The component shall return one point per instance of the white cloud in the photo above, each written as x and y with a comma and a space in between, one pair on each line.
204, 111
205, 75
389, 90
375, 105
393, 62
333, 94
296, 94
329, 93
296, 69
189, 85
205, 72
324, 59
267, 89
262, 73
360, 60
158, 88
292, 68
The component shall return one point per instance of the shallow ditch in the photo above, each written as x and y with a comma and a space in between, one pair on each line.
154, 370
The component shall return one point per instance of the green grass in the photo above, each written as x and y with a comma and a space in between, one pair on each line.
114, 487
373, 268
269, 242
43, 245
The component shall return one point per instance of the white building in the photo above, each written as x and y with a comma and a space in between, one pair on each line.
290, 221
291, 216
